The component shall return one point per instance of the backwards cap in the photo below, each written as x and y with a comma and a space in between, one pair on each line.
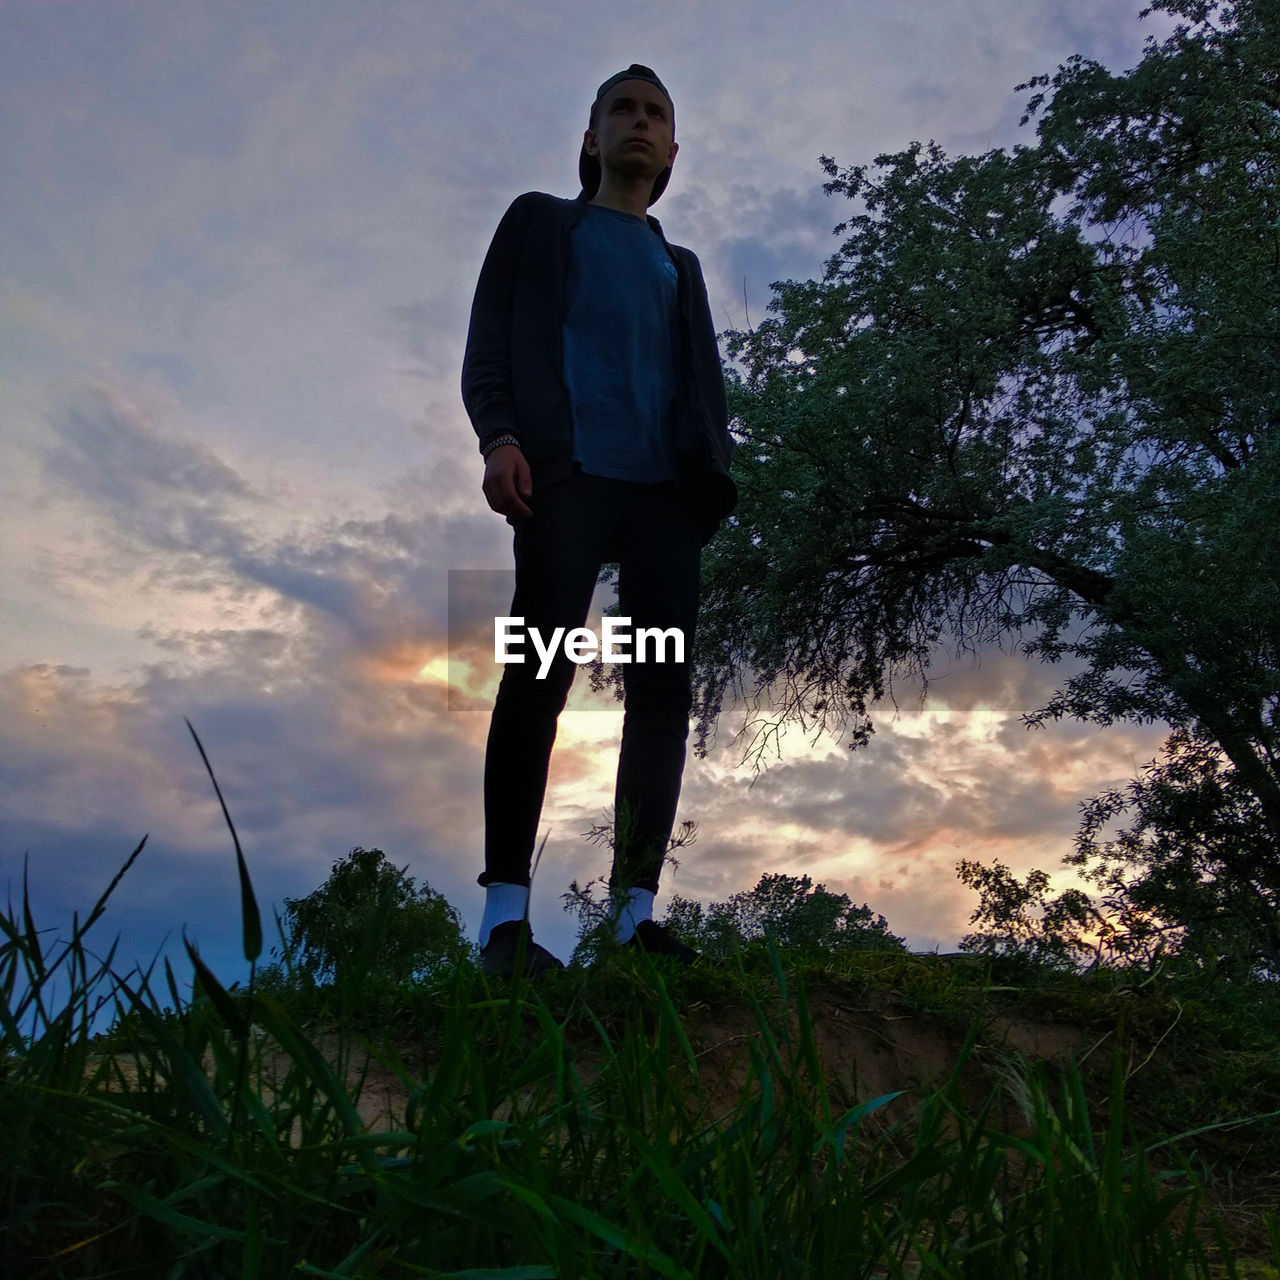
589, 166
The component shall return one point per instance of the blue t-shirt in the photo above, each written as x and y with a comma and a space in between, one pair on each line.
620, 330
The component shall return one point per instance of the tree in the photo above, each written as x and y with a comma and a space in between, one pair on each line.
792, 911
1193, 816
370, 918
982, 426
1022, 922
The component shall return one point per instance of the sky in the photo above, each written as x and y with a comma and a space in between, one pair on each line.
238, 248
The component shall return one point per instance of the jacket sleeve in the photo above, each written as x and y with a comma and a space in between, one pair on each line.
486, 365
712, 384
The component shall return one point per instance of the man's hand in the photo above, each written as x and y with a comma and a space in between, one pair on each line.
507, 480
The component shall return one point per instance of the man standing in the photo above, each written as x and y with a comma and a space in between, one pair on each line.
593, 382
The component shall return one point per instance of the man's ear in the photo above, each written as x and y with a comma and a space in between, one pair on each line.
588, 140
671, 155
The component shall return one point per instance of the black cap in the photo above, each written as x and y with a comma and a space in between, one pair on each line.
589, 166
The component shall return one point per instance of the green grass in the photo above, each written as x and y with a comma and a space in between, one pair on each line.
210, 1136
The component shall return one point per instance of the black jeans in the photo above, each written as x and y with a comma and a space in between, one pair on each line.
577, 525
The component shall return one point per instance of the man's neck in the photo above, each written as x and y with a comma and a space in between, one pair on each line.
627, 197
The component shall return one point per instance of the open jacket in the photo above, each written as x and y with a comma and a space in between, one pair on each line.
513, 369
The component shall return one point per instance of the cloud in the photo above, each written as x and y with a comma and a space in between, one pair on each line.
112, 455
238, 473
171, 510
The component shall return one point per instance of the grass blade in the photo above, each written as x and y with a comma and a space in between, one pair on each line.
249, 914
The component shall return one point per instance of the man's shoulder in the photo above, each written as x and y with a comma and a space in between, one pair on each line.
542, 200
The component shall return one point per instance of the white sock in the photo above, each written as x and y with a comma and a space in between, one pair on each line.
502, 902
636, 906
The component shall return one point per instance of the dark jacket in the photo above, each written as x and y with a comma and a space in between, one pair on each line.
513, 370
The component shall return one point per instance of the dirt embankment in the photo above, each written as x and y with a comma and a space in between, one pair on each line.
866, 1047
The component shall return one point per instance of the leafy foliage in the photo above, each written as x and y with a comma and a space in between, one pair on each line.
1206, 863
791, 910
1023, 923
1034, 400
369, 916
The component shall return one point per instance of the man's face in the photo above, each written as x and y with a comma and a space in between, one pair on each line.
633, 130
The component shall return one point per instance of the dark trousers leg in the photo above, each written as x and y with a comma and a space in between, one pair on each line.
658, 582
558, 553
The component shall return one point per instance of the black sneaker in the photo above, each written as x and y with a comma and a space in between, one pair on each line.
655, 939
498, 956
